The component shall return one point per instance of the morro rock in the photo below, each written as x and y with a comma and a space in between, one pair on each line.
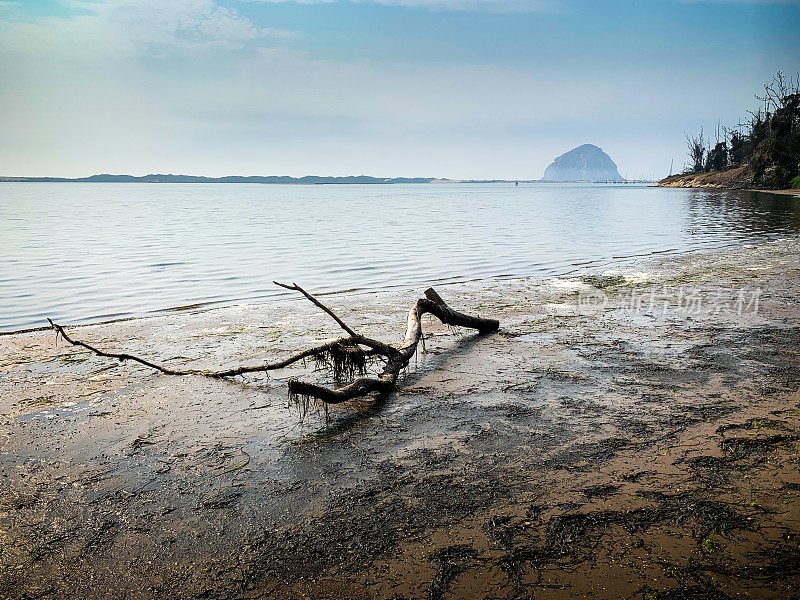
584, 163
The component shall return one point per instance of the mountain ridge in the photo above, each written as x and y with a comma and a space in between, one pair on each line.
170, 178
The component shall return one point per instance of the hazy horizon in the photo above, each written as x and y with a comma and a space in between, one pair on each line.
458, 89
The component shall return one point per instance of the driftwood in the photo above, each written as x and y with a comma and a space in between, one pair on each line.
347, 358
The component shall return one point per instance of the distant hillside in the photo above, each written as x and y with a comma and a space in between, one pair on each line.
267, 179
584, 163
309, 179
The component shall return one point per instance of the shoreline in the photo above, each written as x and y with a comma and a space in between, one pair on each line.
788, 192
607, 263
735, 179
792, 192
588, 446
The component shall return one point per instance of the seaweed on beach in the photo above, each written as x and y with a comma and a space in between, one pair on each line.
603, 281
449, 562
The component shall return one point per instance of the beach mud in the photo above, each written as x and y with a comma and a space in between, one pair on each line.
630, 434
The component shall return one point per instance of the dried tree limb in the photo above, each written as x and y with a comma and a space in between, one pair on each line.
386, 381
310, 353
120, 356
297, 288
344, 356
380, 347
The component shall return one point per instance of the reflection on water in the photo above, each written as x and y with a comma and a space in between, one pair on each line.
742, 213
81, 252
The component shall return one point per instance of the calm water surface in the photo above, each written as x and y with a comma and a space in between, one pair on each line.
82, 252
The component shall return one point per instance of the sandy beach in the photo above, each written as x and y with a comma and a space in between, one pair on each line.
629, 435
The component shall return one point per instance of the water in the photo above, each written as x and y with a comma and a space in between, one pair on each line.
86, 252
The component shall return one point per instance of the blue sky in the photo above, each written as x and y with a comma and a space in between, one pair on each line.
449, 88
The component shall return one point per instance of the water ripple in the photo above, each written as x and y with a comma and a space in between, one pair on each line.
82, 252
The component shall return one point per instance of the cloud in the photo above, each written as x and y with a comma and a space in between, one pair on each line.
502, 6
101, 93
197, 21
489, 5
189, 85
130, 27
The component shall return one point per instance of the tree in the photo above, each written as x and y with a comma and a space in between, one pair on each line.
769, 141
697, 152
738, 148
717, 157
776, 138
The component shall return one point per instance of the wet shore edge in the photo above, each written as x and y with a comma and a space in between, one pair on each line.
631, 433
737, 178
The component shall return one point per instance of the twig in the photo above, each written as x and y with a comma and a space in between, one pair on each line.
120, 356
316, 302
244, 464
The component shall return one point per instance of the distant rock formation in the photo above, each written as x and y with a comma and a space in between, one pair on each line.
584, 163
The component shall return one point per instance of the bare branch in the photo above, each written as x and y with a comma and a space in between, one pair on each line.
316, 302
119, 356
379, 347
280, 364
344, 356
433, 304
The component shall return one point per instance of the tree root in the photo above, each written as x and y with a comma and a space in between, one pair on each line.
346, 358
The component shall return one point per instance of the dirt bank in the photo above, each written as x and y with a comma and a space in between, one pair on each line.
632, 435
732, 179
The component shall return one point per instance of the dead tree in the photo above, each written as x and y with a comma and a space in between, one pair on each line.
697, 152
347, 358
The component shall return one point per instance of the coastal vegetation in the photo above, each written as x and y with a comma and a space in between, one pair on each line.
766, 143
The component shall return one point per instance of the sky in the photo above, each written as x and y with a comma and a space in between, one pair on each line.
463, 89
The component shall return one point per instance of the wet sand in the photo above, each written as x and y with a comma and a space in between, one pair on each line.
792, 192
642, 444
